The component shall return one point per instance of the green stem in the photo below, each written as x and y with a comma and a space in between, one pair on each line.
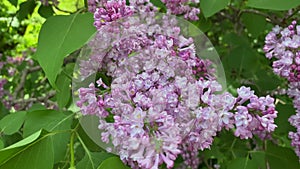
231, 147
72, 154
85, 148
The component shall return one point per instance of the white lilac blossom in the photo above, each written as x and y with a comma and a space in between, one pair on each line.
283, 45
163, 100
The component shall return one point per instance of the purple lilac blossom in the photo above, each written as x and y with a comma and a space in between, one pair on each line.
179, 7
283, 45
108, 10
8, 64
163, 99
111, 11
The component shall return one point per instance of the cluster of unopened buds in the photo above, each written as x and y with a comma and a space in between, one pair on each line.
283, 44
163, 101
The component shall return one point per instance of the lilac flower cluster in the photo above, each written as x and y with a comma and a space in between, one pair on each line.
163, 101
283, 45
111, 11
294, 93
106, 11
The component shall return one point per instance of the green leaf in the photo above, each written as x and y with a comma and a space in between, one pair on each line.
273, 4
3, 111
60, 36
255, 161
14, 2
113, 163
254, 23
210, 7
242, 59
280, 157
214, 153
46, 11
235, 40
50, 120
33, 152
25, 141
259, 158
35, 107
11, 123
1, 144
266, 80
159, 4
284, 113
87, 140
63, 83
241, 163
64, 92
92, 160
26, 9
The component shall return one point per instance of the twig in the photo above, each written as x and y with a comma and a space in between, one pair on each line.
255, 12
21, 84
25, 72
41, 98
297, 10
23, 103
268, 17
34, 69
